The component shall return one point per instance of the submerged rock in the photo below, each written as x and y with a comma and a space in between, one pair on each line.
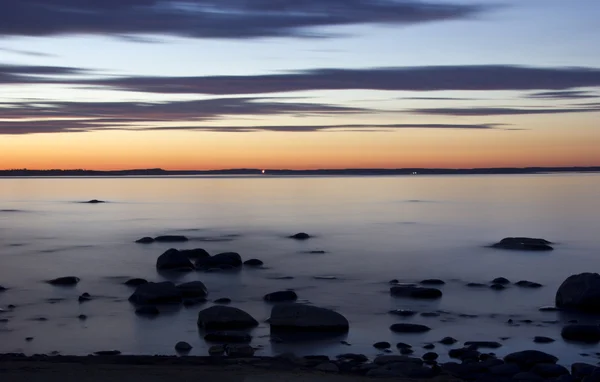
306, 318
183, 347
300, 236
448, 341
95, 201
220, 317
432, 282
193, 289
542, 340
524, 244
84, 297
64, 281
239, 351
528, 284
147, 311
156, 293
483, 344
281, 296
580, 292
581, 333
528, 358
497, 287
194, 301
253, 263
225, 260
476, 285
382, 345
501, 281
228, 337
415, 292
173, 260
170, 239
409, 328
197, 253
145, 240
2, 289
136, 282
402, 312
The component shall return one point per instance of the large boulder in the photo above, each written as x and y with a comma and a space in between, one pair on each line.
222, 260
156, 293
173, 260
64, 281
580, 292
221, 317
529, 358
524, 244
306, 318
415, 292
581, 333
193, 289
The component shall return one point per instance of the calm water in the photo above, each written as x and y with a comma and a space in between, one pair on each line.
373, 228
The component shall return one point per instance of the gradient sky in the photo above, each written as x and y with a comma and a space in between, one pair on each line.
213, 84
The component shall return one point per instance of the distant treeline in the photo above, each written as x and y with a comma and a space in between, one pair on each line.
400, 171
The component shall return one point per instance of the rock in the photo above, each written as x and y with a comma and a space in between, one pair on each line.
225, 318
394, 281
222, 300
429, 346
476, 285
135, 282
183, 347
358, 358
84, 297
528, 358
107, 352
216, 350
430, 356
409, 328
448, 341
501, 281
464, 353
497, 287
156, 293
2, 289
145, 240
286, 295
382, 345
300, 236
317, 252
542, 340
391, 359
581, 333
549, 309
506, 370
528, 284
524, 244
527, 377
297, 318
406, 351
228, 337
402, 345
193, 289
173, 260
549, 370
402, 312
82, 317
253, 263
239, 350
64, 281
328, 367
194, 301
483, 344
432, 282
148, 310
580, 370
430, 314
29, 339
580, 292
95, 201
197, 253
415, 292
170, 239
225, 260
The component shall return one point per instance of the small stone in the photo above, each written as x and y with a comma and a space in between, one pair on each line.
448, 341
239, 350
542, 340
216, 350
82, 317
406, 351
29, 339
432, 282
135, 282
429, 347
409, 328
429, 314
84, 297
300, 236
483, 344
476, 285
402, 345
501, 281
64, 281
253, 263
382, 345
430, 356
183, 347
394, 281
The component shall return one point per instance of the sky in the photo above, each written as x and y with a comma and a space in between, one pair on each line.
299, 84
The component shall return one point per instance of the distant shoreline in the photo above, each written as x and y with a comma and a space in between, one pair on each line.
283, 172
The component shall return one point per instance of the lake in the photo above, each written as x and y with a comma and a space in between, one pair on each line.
372, 229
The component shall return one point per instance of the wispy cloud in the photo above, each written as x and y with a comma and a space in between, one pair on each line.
26, 74
564, 94
218, 18
25, 52
494, 111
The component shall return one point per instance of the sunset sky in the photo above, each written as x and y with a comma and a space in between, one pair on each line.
299, 84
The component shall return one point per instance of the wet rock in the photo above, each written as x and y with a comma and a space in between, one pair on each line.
527, 377
173, 260
528, 284
402, 345
415, 292
483, 344
222, 300
581, 333
579, 370
528, 358
464, 354
298, 317
392, 359
476, 285
580, 292
135, 282
429, 347
497, 287
358, 358
225, 318
147, 311
156, 293
501, 281
281, 296
84, 297
64, 281
382, 345
253, 263
95, 201
82, 317
196, 253
239, 351
549, 370
505, 370
328, 367
542, 340
394, 281
524, 244
406, 351
145, 240
549, 309
194, 301
107, 352
300, 236
216, 350
228, 337
29, 339
430, 356
432, 282
170, 239
183, 347
193, 289
409, 328
448, 341
430, 314
225, 260
2, 289
402, 312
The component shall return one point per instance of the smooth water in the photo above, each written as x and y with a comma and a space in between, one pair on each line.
373, 229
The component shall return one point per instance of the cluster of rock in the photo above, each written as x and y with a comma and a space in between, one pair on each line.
523, 244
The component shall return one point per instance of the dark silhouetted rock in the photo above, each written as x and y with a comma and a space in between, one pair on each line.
183, 347
501, 281
194, 301
394, 359
281, 296
542, 340
476, 285
95, 201
300, 236
216, 350
528, 358
242, 351
82, 317
483, 344
581, 333
524, 244
253, 263
358, 358
497, 287
328, 367
220, 317
173, 260
448, 341
430, 314
193, 289
64, 281
306, 318
527, 377
402, 312
228, 337
29, 339
415, 292
145, 240
506, 370
148, 310
170, 239
549, 309
432, 282
382, 345
429, 346
580, 293
409, 328
84, 297
528, 284
226, 260
581, 370
223, 300
135, 282
107, 352
549, 370
197, 253
156, 293
402, 345
394, 281
430, 356
464, 353
317, 252
2, 289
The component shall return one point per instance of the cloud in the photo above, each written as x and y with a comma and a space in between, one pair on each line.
493, 111
565, 94
26, 52
425, 78
218, 18
24, 74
